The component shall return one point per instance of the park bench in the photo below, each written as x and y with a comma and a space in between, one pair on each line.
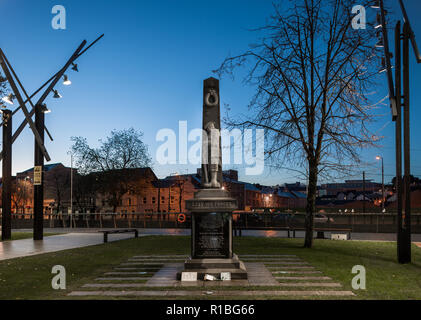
107, 232
321, 231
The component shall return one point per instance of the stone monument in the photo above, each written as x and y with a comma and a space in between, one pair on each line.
212, 207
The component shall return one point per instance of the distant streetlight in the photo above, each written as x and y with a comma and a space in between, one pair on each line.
381, 158
71, 186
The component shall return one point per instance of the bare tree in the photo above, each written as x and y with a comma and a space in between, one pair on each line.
113, 164
21, 193
314, 75
57, 186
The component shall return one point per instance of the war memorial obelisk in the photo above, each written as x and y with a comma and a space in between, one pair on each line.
211, 208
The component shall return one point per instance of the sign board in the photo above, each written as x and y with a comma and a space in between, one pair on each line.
226, 276
37, 175
189, 276
339, 236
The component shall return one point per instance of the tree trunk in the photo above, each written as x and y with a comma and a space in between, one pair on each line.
311, 204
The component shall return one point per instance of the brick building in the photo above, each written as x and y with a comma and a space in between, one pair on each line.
143, 192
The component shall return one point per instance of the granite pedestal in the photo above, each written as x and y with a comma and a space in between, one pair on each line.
211, 247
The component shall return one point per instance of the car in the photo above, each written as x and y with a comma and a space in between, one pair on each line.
321, 218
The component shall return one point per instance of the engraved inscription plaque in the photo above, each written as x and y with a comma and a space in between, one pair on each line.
212, 235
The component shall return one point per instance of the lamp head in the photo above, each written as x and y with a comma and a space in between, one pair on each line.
376, 4
44, 109
56, 94
74, 67
66, 81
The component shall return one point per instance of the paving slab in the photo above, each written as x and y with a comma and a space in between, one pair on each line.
267, 255
303, 278
169, 293
125, 273
292, 267
167, 276
142, 264
29, 247
286, 262
114, 285
134, 268
295, 272
162, 256
309, 284
121, 278
259, 275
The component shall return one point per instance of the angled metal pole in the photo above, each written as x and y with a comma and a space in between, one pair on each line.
6, 191
407, 157
28, 99
50, 87
398, 142
393, 103
25, 111
411, 33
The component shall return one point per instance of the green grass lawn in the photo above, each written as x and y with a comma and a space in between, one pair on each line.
27, 235
30, 277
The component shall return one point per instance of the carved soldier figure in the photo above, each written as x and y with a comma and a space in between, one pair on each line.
211, 157
211, 141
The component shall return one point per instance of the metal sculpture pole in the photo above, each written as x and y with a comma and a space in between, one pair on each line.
39, 185
406, 221
6, 223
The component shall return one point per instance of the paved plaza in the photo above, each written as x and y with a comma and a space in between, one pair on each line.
268, 276
29, 247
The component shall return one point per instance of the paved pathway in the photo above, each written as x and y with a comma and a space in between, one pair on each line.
29, 247
285, 275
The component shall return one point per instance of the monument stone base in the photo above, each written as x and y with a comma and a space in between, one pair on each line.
212, 236
215, 267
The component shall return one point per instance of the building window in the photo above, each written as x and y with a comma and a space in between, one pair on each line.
172, 199
129, 201
162, 199
153, 200
144, 199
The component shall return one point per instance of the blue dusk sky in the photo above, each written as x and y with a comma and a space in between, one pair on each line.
148, 71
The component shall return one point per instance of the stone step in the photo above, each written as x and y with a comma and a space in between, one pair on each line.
267, 255
310, 284
303, 278
114, 285
162, 256
298, 263
134, 268
121, 278
141, 264
293, 267
236, 273
159, 260
295, 272
125, 273
184, 293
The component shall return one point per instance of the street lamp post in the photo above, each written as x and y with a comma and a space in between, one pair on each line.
383, 200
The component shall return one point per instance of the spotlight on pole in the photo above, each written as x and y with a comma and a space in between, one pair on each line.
74, 67
8, 99
66, 81
376, 4
56, 94
44, 108
378, 21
